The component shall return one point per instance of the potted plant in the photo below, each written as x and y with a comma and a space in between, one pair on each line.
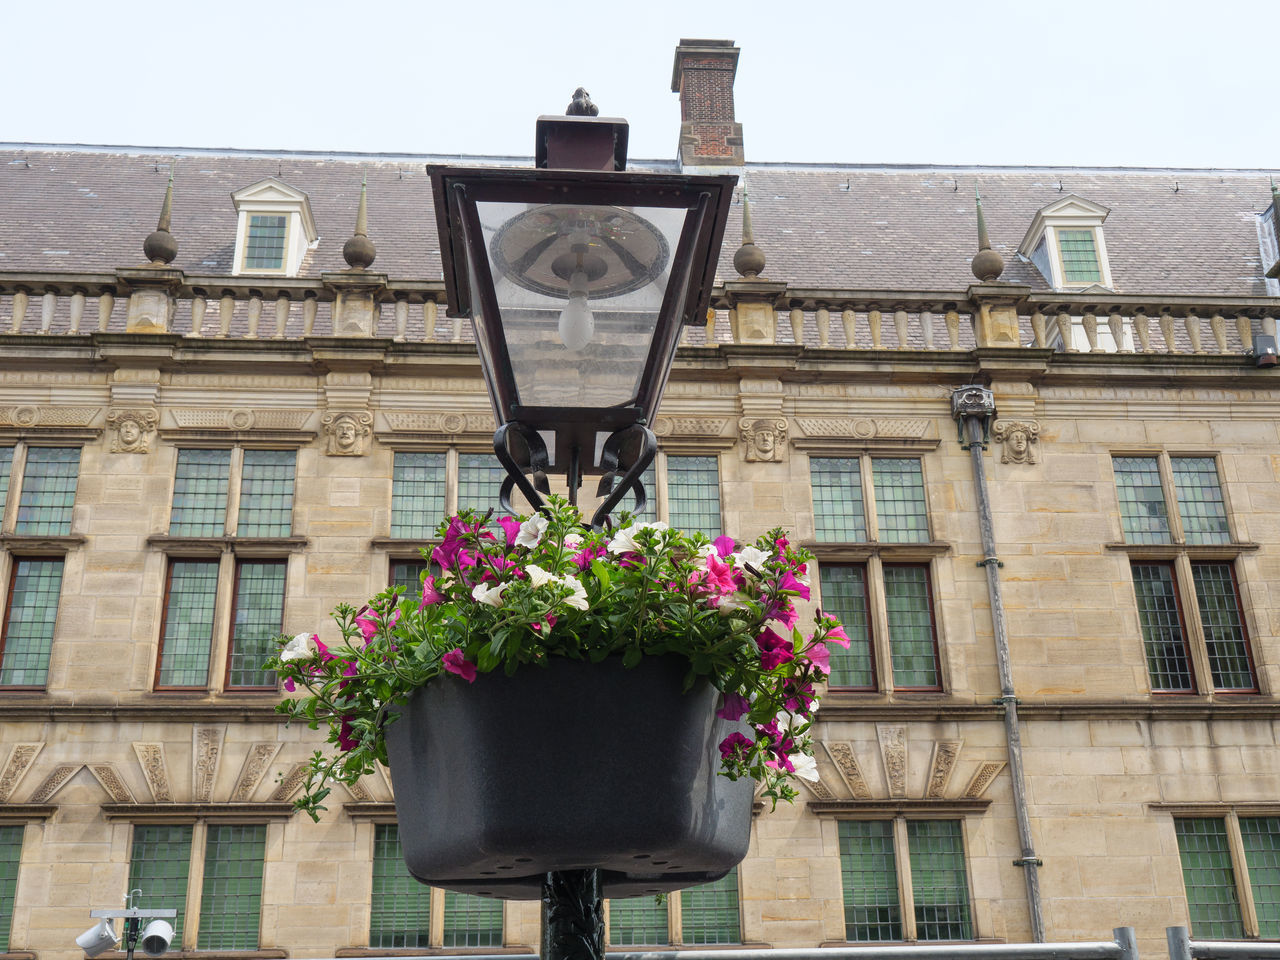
558, 698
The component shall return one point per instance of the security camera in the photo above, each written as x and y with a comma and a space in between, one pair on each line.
99, 938
156, 938
1264, 350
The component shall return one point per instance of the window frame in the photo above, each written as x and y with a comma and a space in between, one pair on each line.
1182, 558
675, 909
244, 268
902, 866
14, 560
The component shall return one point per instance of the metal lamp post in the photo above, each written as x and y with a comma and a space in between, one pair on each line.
578, 277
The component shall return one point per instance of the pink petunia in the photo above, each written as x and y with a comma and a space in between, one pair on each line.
774, 650
735, 705
430, 595
455, 662
820, 656
789, 583
345, 740
836, 634
724, 545
734, 744
511, 527
583, 558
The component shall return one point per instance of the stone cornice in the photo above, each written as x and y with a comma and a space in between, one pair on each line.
12, 812
893, 808
186, 812
37, 707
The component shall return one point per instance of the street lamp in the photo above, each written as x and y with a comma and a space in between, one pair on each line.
154, 939
578, 277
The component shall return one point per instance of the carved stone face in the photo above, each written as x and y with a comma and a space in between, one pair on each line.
1018, 442
345, 432
130, 432
763, 439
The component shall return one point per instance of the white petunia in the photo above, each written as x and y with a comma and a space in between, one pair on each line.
750, 555
706, 550
488, 595
531, 531
299, 648
537, 576
730, 603
624, 541
572, 541
806, 767
577, 599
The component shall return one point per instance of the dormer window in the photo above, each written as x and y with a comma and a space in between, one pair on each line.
274, 229
1066, 245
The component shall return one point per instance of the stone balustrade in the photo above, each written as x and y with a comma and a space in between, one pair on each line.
357, 303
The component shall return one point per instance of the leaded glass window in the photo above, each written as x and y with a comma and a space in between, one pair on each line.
1261, 837
1163, 638
32, 613
159, 862
1209, 878
480, 479
900, 508
1142, 508
200, 493
188, 623
938, 881
10, 860
408, 574
48, 491
6, 470
870, 879
471, 921
1200, 503
709, 912
400, 910
638, 921
264, 249
1223, 623
417, 494
266, 494
912, 644
693, 494
258, 614
231, 902
838, 512
1079, 256
844, 596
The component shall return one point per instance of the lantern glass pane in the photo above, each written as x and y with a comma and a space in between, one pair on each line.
580, 289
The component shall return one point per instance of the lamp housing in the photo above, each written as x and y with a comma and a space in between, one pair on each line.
98, 939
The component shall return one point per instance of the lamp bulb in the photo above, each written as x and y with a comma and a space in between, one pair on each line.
577, 324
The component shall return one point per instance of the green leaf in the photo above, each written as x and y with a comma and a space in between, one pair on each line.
632, 657
602, 574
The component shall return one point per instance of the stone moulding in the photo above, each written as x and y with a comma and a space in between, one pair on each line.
21, 757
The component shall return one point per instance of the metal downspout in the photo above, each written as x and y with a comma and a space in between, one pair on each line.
974, 414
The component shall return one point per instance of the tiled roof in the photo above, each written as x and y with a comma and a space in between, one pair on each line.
852, 227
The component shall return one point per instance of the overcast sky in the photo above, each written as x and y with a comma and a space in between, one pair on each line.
1090, 82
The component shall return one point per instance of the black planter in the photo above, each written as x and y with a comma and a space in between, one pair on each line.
568, 767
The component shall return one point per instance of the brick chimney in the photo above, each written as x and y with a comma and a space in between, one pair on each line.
703, 76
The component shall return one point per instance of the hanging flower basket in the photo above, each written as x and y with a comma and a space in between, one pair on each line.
565, 767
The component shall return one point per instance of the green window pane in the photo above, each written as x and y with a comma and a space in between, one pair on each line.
259, 615
910, 617
188, 623
838, 512
6, 470
417, 494
1142, 509
200, 493
1261, 836
938, 881
480, 479
10, 860
400, 909
231, 904
471, 921
709, 913
693, 495
1209, 879
844, 596
1223, 624
870, 879
408, 574
900, 509
638, 921
158, 866
29, 622
1162, 636
1200, 503
48, 491
265, 247
1079, 256
266, 494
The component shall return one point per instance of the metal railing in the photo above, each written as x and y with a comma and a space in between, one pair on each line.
1182, 947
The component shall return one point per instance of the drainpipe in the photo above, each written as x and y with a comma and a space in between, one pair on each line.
973, 407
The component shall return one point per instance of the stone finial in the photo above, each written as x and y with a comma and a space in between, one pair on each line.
581, 105
160, 247
749, 259
359, 251
987, 264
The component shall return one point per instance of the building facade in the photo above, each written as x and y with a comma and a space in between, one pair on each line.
219, 444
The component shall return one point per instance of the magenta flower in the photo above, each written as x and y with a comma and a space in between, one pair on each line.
789, 583
783, 611
836, 634
735, 705
345, 740
456, 663
735, 744
510, 526
774, 650
430, 595
820, 657
724, 545
583, 558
